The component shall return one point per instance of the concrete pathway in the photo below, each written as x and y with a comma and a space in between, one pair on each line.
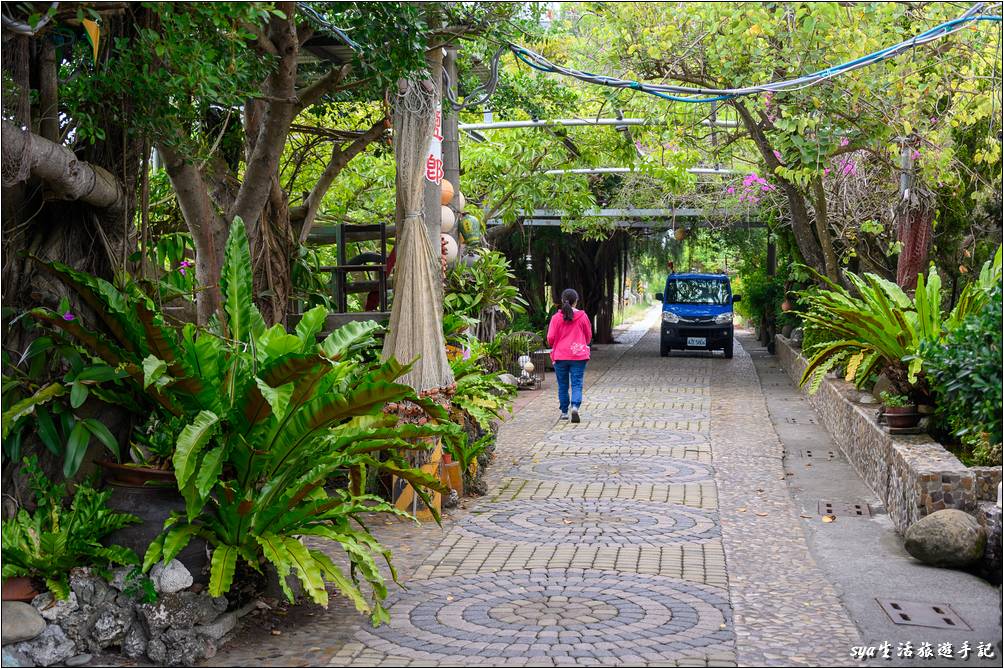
860, 552
660, 531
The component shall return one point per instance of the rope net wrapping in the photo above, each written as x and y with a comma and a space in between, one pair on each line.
416, 329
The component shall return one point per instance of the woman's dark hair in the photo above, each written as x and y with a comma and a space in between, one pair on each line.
568, 300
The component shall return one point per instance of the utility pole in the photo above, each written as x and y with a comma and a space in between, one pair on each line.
451, 133
433, 213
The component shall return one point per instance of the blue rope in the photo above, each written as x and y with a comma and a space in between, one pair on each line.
524, 54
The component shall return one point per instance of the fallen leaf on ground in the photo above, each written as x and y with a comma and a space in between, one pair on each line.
761, 513
741, 509
828, 518
802, 515
276, 632
449, 598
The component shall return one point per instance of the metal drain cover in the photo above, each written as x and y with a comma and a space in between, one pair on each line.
828, 454
921, 614
810, 453
845, 509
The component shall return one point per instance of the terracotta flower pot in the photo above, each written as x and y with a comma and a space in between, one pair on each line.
132, 475
19, 589
453, 477
901, 416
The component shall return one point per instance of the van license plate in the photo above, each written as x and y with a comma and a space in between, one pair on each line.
697, 341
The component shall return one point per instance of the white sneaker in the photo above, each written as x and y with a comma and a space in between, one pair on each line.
563, 416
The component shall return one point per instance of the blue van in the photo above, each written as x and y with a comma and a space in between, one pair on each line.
697, 313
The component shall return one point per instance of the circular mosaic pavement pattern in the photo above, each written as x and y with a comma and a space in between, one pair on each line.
633, 437
544, 613
591, 522
643, 413
614, 469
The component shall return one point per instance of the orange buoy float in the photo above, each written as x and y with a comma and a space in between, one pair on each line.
446, 195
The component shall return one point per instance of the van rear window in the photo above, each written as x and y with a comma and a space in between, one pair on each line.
697, 291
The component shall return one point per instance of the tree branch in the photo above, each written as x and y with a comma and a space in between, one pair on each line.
266, 145
339, 159
62, 173
313, 92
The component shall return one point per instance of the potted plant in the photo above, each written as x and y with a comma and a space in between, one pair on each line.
899, 410
150, 450
261, 427
46, 544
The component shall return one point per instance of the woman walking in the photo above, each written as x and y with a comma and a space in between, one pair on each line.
568, 336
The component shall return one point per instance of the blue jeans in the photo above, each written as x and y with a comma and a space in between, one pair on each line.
566, 370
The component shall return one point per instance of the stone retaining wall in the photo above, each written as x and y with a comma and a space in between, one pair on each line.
913, 475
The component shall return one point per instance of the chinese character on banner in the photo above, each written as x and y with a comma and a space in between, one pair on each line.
437, 130
434, 169
434, 159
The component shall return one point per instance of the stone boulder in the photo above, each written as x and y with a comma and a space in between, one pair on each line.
48, 648
53, 609
172, 577
508, 379
20, 622
220, 627
946, 538
182, 610
12, 658
882, 385
134, 643
90, 589
109, 626
180, 647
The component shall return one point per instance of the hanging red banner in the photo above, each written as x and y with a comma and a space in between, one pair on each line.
434, 158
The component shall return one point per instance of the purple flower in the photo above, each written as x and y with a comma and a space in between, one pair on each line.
915, 154
844, 141
777, 154
68, 316
183, 264
826, 170
467, 353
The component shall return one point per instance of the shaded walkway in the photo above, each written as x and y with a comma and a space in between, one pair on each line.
659, 531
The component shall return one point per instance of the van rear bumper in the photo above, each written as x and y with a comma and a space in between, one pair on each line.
675, 335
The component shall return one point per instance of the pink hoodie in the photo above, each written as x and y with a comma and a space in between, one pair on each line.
569, 340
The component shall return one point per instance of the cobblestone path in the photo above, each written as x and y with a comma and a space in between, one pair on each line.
657, 532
